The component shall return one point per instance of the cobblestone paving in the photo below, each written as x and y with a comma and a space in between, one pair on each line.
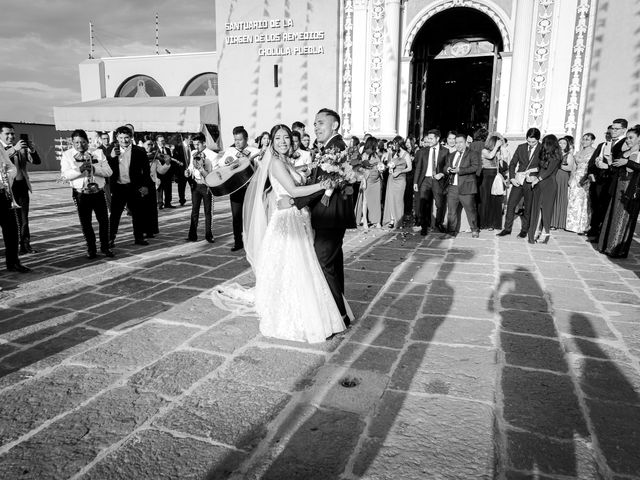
470, 358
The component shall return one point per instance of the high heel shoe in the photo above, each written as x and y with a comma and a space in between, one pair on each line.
544, 238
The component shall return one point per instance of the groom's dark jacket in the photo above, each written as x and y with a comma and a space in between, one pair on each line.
340, 213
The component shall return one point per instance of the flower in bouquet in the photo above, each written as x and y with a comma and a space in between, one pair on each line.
381, 167
337, 172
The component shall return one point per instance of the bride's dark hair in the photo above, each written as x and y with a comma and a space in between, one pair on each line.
272, 134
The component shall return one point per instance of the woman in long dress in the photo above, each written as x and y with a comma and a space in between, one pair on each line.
578, 208
490, 206
620, 222
291, 295
399, 163
368, 211
559, 218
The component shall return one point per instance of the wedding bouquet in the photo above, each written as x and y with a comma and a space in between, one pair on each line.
337, 169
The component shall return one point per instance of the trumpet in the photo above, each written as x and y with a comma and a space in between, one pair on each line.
90, 185
4, 182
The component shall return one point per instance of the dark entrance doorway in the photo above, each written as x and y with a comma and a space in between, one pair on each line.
455, 72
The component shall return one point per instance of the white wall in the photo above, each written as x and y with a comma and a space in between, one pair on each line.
307, 83
172, 72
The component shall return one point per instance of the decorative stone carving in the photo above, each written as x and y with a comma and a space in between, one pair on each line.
583, 14
478, 5
544, 24
347, 64
377, 43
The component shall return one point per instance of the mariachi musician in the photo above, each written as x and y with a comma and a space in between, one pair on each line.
203, 160
86, 172
239, 150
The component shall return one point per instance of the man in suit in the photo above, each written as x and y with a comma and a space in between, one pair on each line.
524, 156
21, 154
602, 176
429, 181
129, 183
180, 164
329, 222
462, 167
8, 217
166, 179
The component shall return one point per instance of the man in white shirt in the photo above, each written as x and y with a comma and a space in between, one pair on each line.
21, 154
428, 182
129, 184
238, 150
203, 161
86, 172
8, 216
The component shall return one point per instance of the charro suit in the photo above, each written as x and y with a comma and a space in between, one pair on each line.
21, 190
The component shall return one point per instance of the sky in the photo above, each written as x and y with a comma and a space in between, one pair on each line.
43, 41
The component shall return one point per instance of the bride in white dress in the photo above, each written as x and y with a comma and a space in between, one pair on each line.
291, 295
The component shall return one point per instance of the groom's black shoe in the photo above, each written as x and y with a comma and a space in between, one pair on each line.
237, 247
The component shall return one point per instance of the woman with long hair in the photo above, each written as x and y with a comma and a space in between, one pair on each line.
620, 222
544, 187
263, 140
559, 217
369, 203
490, 206
578, 208
398, 164
291, 297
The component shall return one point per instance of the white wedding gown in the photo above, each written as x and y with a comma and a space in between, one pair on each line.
292, 297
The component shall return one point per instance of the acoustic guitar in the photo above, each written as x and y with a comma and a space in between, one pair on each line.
233, 175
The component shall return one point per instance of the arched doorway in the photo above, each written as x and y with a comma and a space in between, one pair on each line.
455, 72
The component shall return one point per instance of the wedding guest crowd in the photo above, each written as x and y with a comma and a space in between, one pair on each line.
421, 183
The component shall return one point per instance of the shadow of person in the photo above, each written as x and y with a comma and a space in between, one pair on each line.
542, 429
320, 447
612, 401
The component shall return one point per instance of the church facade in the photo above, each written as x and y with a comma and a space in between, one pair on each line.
404, 66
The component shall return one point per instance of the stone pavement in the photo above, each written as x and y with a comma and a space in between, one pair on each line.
470, 359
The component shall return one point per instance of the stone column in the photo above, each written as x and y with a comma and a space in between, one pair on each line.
390, 68
403, 98
503, 92
359, 117
521, 62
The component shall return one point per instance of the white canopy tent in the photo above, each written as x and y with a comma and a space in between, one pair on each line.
147, 114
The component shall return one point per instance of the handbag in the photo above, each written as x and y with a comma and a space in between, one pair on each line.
497, 187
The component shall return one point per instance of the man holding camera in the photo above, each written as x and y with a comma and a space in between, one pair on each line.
21, 153
87, 173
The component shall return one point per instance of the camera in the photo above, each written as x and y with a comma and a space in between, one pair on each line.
25, 137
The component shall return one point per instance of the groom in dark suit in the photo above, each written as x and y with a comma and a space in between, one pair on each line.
330, 222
